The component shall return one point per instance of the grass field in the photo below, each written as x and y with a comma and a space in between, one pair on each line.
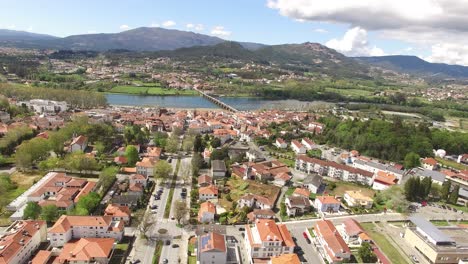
452, 164
150, 90
341, 187
390, 251
253, 187
350, 92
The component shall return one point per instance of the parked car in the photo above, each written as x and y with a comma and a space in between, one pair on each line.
241, 229
154, 206
136, 261
165, 261
175, 245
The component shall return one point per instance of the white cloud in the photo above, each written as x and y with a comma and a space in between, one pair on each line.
354, 43
195, 27
155, 25
449, 53
124, 27
438, 26
220, 32
320, 30
168, 23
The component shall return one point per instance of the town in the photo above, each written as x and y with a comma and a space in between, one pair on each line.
122, 184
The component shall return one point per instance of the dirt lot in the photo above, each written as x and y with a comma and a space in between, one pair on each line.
341, 187
23, 179
238, 187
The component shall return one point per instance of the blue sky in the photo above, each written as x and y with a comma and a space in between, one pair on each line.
263, 21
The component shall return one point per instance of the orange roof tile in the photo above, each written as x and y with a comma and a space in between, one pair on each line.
286, 259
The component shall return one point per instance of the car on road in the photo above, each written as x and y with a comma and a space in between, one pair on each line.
157, 197
175, 245
154, 206
306, 237
168, 242
136, 261
165, 261
414, 259
241, 229
172, 218
169, 160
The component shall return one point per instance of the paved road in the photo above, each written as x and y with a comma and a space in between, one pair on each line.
310, 254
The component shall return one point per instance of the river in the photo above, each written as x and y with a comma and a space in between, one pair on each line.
179, 101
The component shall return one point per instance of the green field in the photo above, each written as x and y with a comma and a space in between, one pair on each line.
350, 92
390, 251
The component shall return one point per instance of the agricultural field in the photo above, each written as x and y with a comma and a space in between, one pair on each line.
384, 244
341, 187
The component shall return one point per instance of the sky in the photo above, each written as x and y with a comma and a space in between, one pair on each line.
435, 30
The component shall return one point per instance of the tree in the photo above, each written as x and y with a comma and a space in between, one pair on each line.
412, 160
444, 193
162, 169
172, 144
198, 144
366, 253
107, 177
160, 139
453, 197
50, 213
215, 142
197, 163
88, 203
32, 211
187, 144
426, 185
219, 154
131, 153
176, 131
146, 221
99, 147
180, 210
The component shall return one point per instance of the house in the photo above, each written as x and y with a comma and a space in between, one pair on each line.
357, 198
135, 189
312, 182
120, 160
308, 144
384, 180
297, 147
327, 204
20, 241
208, 193
42, 257
301, 192
206, 155
218, 169
138, 179
280, 143
204, 180
79, 143
266, 239
74, 227
334, 247
212, 249
261, 214
146, 166
316, 127
375, 167
207, 212
436, 176
463, 158
118, 213
285, 259
153, 152
87, 251
297, 205
254, 156
429, 163
126, 200
255, 201
353, 233
281, 179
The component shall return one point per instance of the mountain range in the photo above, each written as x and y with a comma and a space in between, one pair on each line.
182, 44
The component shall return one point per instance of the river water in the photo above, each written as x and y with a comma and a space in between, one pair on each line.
179, 101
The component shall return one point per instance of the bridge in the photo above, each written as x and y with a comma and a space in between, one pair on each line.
217, 101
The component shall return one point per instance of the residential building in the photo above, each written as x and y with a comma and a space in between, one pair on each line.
42, 257
280, 143
384, 180
255, 201
138, 179
254, 156
375, 167
297, 205
308, 144
261, 214
266, 239
436, 176
297, 147
87, 251
79, 143
126, 200
118, 213
429, 163
357, 198
207, 212
302, 192
204, 180
20, 241
74, 227
353, 233
44, 106
146, 166
212, 249
327, 204
334, 247
437, 244
208, 193
312, 182
218, 169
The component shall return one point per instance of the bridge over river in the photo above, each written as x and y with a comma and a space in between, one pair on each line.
217, 101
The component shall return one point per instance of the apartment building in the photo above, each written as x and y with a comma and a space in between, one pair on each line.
334, 248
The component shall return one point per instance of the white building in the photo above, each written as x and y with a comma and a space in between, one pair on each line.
280, 143
44, 106
146, 166
21, 240
212, 249
267, 239
75, 227
327, 204
297, 147
356, 198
